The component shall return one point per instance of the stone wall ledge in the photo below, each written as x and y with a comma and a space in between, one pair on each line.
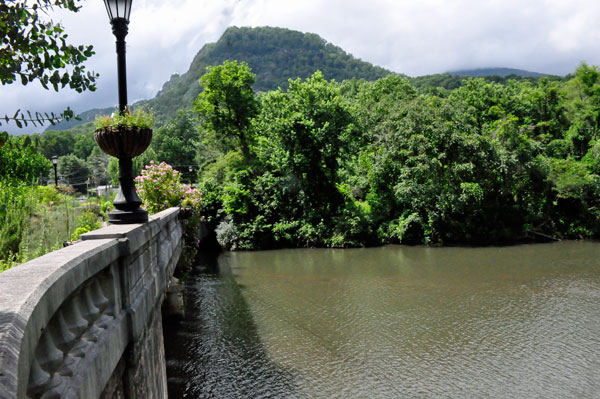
136, 234
40, 337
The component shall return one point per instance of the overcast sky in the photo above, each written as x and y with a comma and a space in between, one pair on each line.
414, 37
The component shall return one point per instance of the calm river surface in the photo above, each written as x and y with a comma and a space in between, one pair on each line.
392, 322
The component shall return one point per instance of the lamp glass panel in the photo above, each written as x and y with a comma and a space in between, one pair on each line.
121, 8
118, 8
107, 4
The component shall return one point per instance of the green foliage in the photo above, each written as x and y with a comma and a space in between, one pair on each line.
106, 206
47, 194
56, 143
227, 105
87, 221
20, 159
35, 49
287, 194
305, 133
84, 145
175, 143
113, 171
33, 221
159, 186
360, 163
98, 162
137, 118
17, 203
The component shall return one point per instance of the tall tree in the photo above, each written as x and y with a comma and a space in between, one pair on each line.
227, 104
306, 131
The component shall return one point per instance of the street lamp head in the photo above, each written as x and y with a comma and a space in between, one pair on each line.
118, 9
54, 160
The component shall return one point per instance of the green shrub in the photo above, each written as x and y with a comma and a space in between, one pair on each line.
88, 220
106, 207
17, 203
47, 194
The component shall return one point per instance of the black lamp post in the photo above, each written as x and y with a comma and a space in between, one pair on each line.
54, 164
127, 202
118, 13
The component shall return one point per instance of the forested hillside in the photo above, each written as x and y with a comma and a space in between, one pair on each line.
452, 81
362, 163
274, 54
481, 72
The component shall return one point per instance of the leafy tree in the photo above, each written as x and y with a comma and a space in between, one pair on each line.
113, 170
288, 194
84, 145
57, 143
73, 171
21, 160
36, 50
175, 143
306, 131
227, 104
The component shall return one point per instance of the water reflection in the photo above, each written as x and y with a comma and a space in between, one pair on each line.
393, 322
216, 352
508, 322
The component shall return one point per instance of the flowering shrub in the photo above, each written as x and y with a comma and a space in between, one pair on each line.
192, 198
160, 187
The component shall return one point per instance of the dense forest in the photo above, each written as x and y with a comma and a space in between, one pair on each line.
440, 159
365, 163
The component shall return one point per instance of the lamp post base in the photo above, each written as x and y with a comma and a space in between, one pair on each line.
127, 217
127, 202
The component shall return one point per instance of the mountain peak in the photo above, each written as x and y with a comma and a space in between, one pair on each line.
496, 71
274, 55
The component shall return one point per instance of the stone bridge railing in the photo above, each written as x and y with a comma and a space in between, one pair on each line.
85, 321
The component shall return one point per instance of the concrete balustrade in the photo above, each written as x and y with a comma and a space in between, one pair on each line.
85, 321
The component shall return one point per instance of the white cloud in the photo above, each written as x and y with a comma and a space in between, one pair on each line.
407, 36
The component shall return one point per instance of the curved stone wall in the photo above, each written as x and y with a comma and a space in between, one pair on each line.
84, 321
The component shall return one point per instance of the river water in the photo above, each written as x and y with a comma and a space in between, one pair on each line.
392, 322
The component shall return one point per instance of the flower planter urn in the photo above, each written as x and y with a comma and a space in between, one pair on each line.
125, 143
